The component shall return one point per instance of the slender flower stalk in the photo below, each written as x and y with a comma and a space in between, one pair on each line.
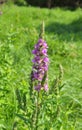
40, 65
39, 78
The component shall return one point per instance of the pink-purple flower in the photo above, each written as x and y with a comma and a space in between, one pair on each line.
40, 65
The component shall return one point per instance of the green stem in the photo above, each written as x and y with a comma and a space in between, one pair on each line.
42, 31
37, 112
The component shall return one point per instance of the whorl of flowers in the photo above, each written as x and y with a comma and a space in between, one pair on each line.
40, 66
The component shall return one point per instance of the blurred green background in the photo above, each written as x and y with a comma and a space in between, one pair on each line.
19, 32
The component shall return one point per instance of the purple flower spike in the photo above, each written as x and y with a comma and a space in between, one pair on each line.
40, 65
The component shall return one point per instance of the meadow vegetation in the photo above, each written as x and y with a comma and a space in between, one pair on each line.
61, 107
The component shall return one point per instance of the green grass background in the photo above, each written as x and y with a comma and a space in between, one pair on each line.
19, 31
